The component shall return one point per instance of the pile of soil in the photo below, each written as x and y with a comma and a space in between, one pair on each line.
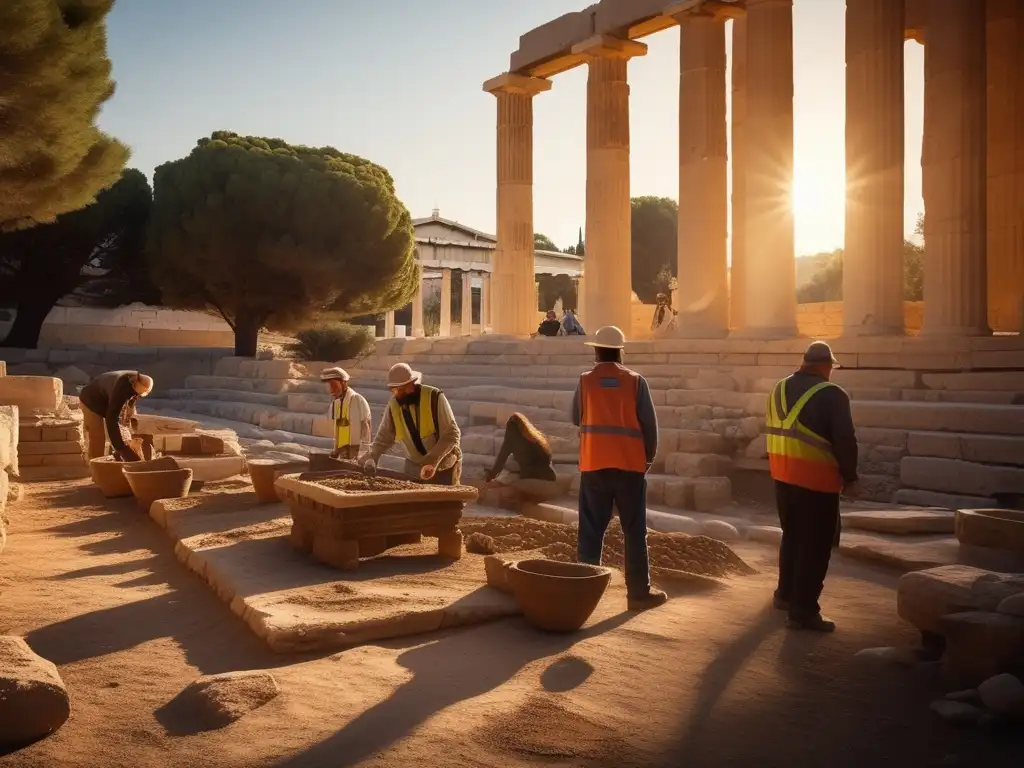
358, 483
676, 551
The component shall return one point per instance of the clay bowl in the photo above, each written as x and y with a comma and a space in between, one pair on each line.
148, 487
108, 473
263, 473
555, 596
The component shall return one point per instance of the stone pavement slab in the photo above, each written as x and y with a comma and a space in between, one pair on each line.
900, 521
904, 553
241, 549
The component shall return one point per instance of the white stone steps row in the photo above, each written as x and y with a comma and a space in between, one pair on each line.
229, 395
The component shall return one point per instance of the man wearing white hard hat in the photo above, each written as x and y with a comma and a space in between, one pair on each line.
350, 413
613, 408
421, 419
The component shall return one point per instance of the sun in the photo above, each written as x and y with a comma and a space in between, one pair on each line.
817, 199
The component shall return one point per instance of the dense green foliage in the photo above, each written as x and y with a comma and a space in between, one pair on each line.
271, 234
54, 77
96, 253
655, 234
543, 242
333, 342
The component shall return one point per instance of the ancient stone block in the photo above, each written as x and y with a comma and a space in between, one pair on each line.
697, 464
679, 494
1013, 605
924, 597
721, 530
980, 645
711, 493
50, 448
915, 497
963, 477
31, 393
757, 448
878, 487
9, 436
895, 438
699, 442
1003, 695
33, 700
900, 521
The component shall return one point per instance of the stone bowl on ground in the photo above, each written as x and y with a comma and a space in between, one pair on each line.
341, 516
149, 486
108, 473
264, 473
556, 596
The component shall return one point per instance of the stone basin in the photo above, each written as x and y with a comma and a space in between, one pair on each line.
338, 527
149, 486
556, 596
108, 473
264, 473
991, 538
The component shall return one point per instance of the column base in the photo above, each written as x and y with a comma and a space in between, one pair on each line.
872, 331
698, 332
767, 334
955, 332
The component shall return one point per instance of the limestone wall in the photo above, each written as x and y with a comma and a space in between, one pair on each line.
136, 324
824, 319
8, 462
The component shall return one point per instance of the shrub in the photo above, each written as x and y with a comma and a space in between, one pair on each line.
333, 341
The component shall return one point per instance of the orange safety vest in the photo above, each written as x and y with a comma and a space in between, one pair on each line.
796, 455
610, 435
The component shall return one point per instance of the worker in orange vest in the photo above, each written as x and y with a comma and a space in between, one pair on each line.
812, 453
613, 408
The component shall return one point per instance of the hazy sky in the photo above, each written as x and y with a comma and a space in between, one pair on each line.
402, 87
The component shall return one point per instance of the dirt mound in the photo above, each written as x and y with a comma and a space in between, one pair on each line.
546, 729
214, 701
674, 551
356, 482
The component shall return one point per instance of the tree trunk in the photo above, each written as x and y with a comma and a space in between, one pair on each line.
32, 312
247, 333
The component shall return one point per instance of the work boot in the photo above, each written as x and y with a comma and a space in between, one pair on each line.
652, 599
815, 623
779, 604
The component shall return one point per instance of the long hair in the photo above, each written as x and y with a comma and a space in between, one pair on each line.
531, 433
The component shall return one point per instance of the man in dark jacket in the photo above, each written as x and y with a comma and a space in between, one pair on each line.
549, 326
108, 408
812, 451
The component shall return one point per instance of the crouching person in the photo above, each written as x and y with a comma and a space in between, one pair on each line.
108, 412
536, 478
421, 419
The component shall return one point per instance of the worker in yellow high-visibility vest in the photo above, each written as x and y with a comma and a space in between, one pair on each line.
350, 413
812, 453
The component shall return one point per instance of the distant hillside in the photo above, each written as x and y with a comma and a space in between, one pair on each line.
808, 266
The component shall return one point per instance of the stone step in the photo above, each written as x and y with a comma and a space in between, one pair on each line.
941, 417
230, 395
984, 449
956, 476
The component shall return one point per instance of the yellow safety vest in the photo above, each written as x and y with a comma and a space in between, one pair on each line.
796, 455
423, 417
342, 425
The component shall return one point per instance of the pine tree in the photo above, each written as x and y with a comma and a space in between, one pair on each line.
54, 78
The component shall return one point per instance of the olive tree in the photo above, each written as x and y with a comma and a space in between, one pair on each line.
54, 78
270, 234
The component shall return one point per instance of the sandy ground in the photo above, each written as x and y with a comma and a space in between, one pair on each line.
709, 680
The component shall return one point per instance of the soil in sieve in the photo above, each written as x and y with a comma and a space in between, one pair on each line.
676, 551
356, 483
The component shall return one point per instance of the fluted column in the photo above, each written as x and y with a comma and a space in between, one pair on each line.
608, 243
738, 287
1005, 196
485, 303
770, 266
581, 293
389, 324
466, 321
513, 258
702, 296
416, 331
954, 171
873, 255
445, 323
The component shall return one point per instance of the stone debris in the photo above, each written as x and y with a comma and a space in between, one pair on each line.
924, 597
1012, 606
214, 701
480, 544
889, 655
1003, 695
33, 700
720, 530
959, 713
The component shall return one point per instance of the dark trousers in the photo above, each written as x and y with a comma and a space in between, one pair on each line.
600, 491
810, 528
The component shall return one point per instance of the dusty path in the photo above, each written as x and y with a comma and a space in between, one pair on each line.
709, 680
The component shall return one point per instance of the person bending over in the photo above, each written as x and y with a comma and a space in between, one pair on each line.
108, 411
528, 446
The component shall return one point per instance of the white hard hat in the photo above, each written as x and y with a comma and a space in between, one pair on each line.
334, 374
609, 337
401, 374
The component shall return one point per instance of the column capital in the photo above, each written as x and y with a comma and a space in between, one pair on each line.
686, 10
609, 47
510, 82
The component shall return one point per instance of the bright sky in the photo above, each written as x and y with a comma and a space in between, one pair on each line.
402, 87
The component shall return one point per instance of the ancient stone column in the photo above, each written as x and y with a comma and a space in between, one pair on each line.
485, 303
389, 324
581, 294
467, 303
445, 324
513, 269
536, 297
738, 241
873, 255
1005, 195
770, 266
608, 243
954, 171
702, 296
416, 331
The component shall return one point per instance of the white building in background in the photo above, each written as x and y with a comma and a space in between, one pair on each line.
444, 246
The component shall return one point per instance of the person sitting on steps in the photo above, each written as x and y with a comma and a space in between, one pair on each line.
108, 412
550, 326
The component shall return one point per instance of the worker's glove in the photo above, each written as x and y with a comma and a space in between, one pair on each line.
370, 467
